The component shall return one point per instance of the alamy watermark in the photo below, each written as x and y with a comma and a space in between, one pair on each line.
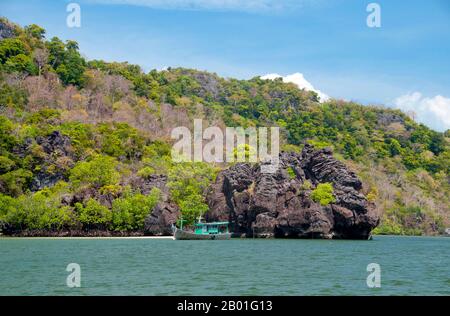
240, 144
74, 17
74, 278
374, 18
374, 278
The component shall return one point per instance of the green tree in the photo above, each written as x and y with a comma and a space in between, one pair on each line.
121, 141
6, 164
9, 211
188, 183
129, 212
35, 31
93, 214
21, 63
41, 210
66, 61
96, 173
7, 138
15, 182
10, 47
395, 147
45, 211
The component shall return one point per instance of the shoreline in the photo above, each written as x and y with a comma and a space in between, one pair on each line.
85, 237
172, 238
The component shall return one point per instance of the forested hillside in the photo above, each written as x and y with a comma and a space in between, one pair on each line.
81, 139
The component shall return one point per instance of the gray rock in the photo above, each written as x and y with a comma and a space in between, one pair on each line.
54, 145
6, 30
160, 221
276, 205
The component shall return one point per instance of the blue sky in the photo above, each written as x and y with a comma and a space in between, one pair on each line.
404, 63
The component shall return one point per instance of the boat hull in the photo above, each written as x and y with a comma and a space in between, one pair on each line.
185, 235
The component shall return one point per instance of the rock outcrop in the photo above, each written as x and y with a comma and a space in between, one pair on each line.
145, 185
160, 221
6, 29
53, 154
280, 205
58, 152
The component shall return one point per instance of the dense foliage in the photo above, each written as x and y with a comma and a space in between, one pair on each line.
115, 121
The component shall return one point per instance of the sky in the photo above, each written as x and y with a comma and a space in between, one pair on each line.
321, 45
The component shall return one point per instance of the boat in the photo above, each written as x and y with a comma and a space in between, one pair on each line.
203, 231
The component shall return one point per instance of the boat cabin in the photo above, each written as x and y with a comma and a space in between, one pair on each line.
211, 228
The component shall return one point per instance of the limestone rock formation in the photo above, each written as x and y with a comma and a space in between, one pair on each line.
6, 29
159, 222
279, 204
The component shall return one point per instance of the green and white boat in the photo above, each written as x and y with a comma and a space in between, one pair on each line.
203, 231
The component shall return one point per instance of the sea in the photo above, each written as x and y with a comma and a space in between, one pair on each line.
386, 265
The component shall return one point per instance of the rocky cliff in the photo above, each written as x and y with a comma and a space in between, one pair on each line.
280, 205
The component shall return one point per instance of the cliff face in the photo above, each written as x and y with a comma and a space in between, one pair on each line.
280, 204
6, 30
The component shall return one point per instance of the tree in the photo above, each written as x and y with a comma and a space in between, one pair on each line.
41, 210
96, 173
35, 31
7, 139
188, 183
72, 70
122, 141
21, 63
67, 61
395, 147
11, 47
93, 214
192, 206
56, 49
14, 183
129, 212
40, 57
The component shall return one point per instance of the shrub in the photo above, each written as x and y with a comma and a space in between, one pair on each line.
96, 173
44, 116
81, 136
11, 47
121, 141
146, 172
21, 63
192, 207
7, 141
41, 210
8, 206
291, 173
93, 214
372, 195
158, 157
323, 194
188, 183
45, 211
6, 164
112, 189
15, 182
306, 185
319, 144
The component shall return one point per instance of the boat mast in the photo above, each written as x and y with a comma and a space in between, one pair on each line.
181, 222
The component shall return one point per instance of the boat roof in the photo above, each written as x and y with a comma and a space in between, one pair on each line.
212, 223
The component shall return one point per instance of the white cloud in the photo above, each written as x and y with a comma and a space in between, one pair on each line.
215, 5
433, 112
298, 79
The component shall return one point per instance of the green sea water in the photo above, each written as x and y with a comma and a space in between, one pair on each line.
409, 266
